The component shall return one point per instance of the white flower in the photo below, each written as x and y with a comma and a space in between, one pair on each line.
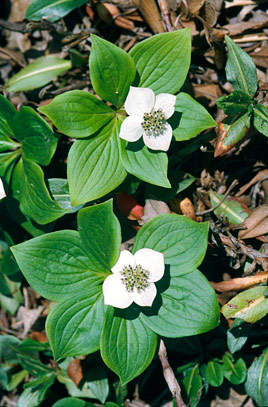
2, 191
147, 118
133, 278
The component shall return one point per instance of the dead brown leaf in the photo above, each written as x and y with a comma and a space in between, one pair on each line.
256, 223
209, 91
260, 55
151, 14
39, 336
241, 283
74, 371
153, 208
26, 318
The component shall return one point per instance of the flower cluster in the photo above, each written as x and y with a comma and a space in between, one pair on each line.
147, 118
133, 279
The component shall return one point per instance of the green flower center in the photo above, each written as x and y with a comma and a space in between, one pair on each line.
135, 277
154, 123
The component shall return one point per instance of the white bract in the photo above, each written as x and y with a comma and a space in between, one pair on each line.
147, 118
133, 279
2, 191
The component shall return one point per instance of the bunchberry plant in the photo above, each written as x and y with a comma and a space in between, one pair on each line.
119, 303
131, 123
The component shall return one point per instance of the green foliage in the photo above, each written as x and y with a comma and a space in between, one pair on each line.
183, 241
104, 244
162, 61
230, 208
70, 402
109, 64
192, 384
148, 166
256, 384
260, 119
237, 335
69, 262
249, 305
125, 338
77, 113
190, 300
214, 373
64, 266
74, 326
37, 74
70, 267
237, 102
240, 69
29, 187
190, 118
52, 10
95, 167
235, 372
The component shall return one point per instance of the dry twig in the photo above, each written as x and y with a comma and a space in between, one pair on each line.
169, 375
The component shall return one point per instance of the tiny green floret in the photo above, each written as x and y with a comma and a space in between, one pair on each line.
135, 277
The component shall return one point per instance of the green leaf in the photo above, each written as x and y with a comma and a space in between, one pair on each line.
236, 372
94, 165
29, 187
147, 165
237, 102
30, 345
7, 112
24, 221
260, 119
70, 402
179, 182
37, 74
257, 380
74, 325
183, 241
37, 138
214, 373
127, 344
7, 164
193, 386
51, 10
34, 366
100, 233
7, 143
112, 66
236, 129
56, 265
96, 377
73, 390
59, 190
230, 208
162, 61
33, 396
78, 113
240, 69
238, 335
190, 118
16, 379
187, 299
9, 349
249, 305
